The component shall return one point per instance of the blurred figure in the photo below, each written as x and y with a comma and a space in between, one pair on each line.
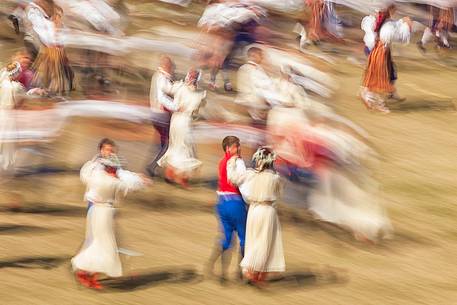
231, 209
324, 23
179, 159
260, 188
52, 69
104, 178
26, 75
441, 22
162, 105
228, 25
10, 96
381, 74
255, 88
99, 17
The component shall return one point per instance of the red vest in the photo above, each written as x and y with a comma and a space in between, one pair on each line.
224, 183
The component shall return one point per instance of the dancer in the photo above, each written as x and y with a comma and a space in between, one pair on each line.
53, 71
260, 188
381, 74
231, 209
324, 23
162, 106
104, 178
256, 89
10, 92
179, 159
441, 22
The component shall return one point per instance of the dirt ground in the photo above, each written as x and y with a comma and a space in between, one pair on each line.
175, 229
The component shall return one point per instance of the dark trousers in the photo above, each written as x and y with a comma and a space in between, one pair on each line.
162, 125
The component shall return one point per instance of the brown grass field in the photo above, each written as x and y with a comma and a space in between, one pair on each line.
175, 229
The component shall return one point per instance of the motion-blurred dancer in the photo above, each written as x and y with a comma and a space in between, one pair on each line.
104, 178
231, 209
179, 159
380, 74
256, 90
10, 93
260, 187
441, 22
162, 105
53, 71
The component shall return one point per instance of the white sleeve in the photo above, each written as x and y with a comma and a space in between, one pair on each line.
368, 26
164, 90
236, 171
86, 171
43, 27
403, 32
129, 181
395, 31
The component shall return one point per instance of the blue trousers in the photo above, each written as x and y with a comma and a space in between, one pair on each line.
232, 213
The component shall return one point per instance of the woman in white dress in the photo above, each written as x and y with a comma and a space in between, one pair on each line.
10, 91
260, 188
179, 159
104, 179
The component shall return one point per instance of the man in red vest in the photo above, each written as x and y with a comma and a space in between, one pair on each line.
231, 209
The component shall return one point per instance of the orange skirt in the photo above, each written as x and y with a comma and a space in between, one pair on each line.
52, 70
379, 71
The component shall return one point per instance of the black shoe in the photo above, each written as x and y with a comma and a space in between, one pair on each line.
420, 46
150, 172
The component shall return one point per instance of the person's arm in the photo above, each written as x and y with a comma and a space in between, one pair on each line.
130, 181
236, 170
165, 91
44, 28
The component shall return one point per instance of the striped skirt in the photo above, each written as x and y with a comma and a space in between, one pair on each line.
263, 246
380, 73
53, 71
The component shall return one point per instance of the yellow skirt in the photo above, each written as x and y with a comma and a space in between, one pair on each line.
53, 71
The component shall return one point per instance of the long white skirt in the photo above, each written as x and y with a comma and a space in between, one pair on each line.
180, 153
340, 201
263, 248
99, 253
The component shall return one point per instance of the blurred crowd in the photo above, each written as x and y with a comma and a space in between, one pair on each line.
270, 78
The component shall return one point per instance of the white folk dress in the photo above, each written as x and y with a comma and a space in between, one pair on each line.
9, 93
263, 246
99, 253
180, 154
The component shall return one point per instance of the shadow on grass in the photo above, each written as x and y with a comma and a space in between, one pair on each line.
13, 229
37, 262
305, 279
150, 278
47, 209
422, 105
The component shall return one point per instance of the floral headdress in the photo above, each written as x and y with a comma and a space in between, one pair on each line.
263, 158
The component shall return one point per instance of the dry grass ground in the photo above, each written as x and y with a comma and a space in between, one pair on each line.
175, 229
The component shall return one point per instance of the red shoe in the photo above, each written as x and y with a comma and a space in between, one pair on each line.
95, 284
83, 278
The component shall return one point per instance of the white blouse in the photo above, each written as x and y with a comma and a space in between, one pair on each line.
255, 187
102, 188
39, 27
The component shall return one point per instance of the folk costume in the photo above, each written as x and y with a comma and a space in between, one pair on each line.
180, 154
52, 69
380, 74
162, 106
104, 179
231, 211
260, 188
10, 91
